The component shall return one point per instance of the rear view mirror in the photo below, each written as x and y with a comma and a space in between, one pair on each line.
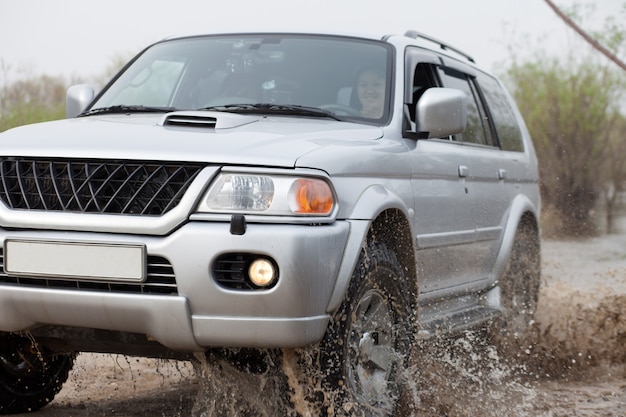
441, 112
77, 99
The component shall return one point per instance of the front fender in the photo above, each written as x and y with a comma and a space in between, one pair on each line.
373, 201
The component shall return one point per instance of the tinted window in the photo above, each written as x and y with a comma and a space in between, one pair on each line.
350, 77
423, 79
476, 120
502, 114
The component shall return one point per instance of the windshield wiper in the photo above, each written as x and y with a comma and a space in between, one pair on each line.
272, 108
124, 108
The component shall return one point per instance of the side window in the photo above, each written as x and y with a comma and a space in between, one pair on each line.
507, 128
424, 77
477, 130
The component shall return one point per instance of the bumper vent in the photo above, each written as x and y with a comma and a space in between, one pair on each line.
230, 271
160, 280
89, 186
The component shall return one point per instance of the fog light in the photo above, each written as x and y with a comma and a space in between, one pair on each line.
262, 272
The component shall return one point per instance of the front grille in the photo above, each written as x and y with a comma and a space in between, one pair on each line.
160, 280
89, 186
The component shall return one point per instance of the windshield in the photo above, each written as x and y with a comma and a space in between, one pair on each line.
345, 77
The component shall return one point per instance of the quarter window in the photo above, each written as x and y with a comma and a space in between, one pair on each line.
507, 128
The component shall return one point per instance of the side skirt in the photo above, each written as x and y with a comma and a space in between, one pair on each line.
458, 314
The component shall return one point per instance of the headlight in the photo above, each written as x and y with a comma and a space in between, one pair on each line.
241, 193
269, 195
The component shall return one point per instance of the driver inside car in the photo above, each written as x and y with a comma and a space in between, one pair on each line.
370, 88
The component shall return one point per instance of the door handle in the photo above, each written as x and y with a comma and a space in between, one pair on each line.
463, 171
502, 174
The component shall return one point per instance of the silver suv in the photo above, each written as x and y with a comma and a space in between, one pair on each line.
268, 191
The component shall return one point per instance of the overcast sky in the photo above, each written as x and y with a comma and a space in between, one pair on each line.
83, 38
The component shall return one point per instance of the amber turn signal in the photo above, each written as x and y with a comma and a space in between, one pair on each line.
311, 196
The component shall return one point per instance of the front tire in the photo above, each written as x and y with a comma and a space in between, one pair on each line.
30, 376
368, 342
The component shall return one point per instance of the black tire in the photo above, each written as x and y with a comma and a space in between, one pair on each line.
30, 376
369, 339
519, 287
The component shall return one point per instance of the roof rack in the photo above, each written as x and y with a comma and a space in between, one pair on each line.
415, 34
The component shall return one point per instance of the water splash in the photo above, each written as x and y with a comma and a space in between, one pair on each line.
238, 383
465, 376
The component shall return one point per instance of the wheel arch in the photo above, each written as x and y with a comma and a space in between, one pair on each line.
393, 228
523, 216
387, 222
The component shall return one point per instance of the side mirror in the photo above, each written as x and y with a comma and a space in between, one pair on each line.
77, 99
441, 112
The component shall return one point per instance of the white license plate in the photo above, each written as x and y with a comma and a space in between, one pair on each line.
88, 261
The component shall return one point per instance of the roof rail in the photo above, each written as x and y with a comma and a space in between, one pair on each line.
415, 34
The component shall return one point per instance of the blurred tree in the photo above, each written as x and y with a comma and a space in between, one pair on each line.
614, 173
32, 100
587, 37
573, 108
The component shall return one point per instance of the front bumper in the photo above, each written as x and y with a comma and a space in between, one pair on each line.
203, 314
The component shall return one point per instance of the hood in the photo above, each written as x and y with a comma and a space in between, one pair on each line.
212, 137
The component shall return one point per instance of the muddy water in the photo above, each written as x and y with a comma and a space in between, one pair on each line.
571, 363
580, 327
581, 317
226, 391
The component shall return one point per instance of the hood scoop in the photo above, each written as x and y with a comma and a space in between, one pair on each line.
188, 120
206, 120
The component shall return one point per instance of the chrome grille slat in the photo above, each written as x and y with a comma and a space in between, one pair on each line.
160, 279
89, 186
